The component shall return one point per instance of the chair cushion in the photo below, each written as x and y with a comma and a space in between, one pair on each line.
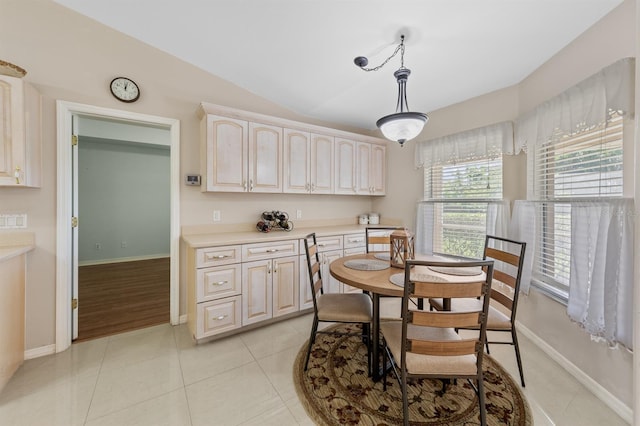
497, 320
344, 307
428, 364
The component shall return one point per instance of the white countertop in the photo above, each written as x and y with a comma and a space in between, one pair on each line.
14, 244
226, 238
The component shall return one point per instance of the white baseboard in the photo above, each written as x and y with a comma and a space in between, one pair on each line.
41, 351
598, 390
183, 319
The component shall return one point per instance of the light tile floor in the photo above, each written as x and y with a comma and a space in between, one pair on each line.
158, 376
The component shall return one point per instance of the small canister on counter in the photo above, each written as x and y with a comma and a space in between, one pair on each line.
374, 219
363, 219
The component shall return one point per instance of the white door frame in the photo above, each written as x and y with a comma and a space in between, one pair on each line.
65, 111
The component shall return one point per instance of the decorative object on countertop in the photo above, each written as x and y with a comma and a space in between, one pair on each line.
7, 68
402, 247
274, 219
374, 219
363, 219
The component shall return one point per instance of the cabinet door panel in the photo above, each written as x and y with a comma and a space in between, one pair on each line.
345, 177
363, 168
226, 154
285, 285
12, 138
322, 164
378, 169
306, 298
265, 158
296, 162
256, 291
330, 284
218, 282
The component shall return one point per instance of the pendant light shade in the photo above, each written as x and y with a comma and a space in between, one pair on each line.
403, 125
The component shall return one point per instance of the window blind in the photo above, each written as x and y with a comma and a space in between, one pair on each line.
571, 167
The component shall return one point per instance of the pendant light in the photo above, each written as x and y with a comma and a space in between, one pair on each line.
403, 125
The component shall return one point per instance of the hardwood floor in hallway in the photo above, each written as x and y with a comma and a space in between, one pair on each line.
124, 296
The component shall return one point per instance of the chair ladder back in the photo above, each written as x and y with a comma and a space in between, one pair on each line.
427, 290
445, 319
313, 264
380, 239
502, 256
444, 348
502, 298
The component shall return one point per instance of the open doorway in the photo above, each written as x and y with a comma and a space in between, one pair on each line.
123, 197
67, 234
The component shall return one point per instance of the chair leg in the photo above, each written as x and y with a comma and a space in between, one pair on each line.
514, 337
312, 339
405, 401
483, 409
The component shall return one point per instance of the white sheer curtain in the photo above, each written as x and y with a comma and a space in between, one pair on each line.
583, 106
601, 283
523, 228
484, 142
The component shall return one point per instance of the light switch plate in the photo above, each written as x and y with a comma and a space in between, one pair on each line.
13, 221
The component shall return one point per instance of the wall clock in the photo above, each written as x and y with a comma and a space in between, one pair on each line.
124, 89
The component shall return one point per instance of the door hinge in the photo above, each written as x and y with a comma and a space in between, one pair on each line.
74, 222
74, 303
74, 140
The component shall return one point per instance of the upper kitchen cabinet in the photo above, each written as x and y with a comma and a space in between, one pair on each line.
265, 158
249, 152
308, 163
346, 164
241, 156
20, 133
371, 162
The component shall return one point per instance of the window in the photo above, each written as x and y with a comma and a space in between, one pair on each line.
570, 168
458, 197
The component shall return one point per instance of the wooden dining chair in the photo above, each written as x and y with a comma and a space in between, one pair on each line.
424, 344
379, 236
507, 273
335, 307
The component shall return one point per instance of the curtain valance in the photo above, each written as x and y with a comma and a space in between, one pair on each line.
583, 106
490, 141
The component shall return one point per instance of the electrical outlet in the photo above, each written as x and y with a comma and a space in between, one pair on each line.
123, 244
98, 246
216, 215
298, 214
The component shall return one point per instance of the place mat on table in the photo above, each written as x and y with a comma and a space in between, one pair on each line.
462, 271
366, 264
398, 279
382, 256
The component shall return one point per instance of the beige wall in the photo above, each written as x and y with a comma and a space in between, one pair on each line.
72, 58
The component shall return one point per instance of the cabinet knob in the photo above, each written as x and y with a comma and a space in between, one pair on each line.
219, 256
244, 185
313, 187
220, 283
250, 184
275, 267
17, 175
221, 317
271, 250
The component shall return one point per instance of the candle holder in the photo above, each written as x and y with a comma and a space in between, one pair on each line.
401, 247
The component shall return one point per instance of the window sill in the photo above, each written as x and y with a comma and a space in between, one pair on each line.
551, 292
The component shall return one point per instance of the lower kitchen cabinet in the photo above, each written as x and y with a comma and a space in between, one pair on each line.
234, 286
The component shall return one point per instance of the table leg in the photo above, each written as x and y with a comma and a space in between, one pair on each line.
375, 339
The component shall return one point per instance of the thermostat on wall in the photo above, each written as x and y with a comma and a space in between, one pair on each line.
192, 180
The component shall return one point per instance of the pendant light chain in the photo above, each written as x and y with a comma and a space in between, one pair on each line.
399, 48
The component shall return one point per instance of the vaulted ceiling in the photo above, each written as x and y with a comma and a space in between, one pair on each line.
299, 53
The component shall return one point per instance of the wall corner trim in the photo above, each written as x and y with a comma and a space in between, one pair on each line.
40, 351
619, 407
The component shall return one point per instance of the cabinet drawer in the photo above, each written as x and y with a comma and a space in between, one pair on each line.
218, 282
218, 316
270, 250
214, 256
354, 240
333, 242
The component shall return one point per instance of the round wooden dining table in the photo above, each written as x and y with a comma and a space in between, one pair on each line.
378, 283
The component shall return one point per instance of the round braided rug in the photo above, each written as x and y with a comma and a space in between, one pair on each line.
336, 390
